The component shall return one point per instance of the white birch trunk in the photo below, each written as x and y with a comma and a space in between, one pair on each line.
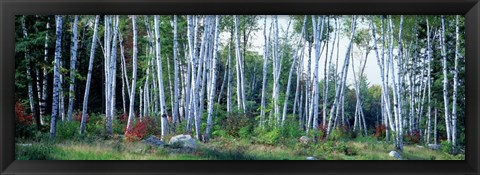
89, 77
131, 114
56, 76
73, 70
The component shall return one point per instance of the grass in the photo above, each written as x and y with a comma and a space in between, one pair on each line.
224, 149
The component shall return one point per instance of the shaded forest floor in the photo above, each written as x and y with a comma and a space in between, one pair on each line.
223, 148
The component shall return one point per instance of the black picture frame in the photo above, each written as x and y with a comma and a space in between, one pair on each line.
10, 8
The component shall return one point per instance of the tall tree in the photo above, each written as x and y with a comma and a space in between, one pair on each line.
56, 75
134, 77
89, 77
163, 110
213, 79
73, 61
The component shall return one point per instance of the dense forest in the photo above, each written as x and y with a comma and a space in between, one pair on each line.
240, 87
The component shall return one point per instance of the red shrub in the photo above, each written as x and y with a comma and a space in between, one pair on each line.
380, 131
413, 137
151, 125
78, 117
20, 115
137, 132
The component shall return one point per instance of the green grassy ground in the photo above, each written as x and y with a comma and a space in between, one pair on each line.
363, 148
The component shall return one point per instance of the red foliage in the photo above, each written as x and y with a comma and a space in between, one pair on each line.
78, 117
380, 131
20, 115
152, 127
137, 132
413, 137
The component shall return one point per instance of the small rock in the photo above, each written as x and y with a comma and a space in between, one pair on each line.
152, 140
419, 146
185, 141
434, 146
311, 158
395, 155
304, 140
24, 144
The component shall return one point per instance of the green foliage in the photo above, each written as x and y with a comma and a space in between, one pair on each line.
37, 151
447, 147
270, 137
67, 130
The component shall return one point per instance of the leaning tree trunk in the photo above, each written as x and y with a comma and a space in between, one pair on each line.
89, 77
343, 78
134, 77
73, 61
292, 67
213, 80
56, 75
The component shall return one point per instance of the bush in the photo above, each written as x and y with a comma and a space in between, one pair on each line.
23, 123
235, 122
447, 147
39, 151
413, 137
271, 137
380, 131
151, 126
77, 116
67, 130
137, 132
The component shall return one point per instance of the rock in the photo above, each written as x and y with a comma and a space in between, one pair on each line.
395, 155
434, 146
184, 141
24, 144
311, 158
419, 146
153, 141
304, 140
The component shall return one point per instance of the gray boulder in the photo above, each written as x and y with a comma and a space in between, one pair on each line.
304, 140
434, 146
153, 141
311, 158
184, 141
395, 155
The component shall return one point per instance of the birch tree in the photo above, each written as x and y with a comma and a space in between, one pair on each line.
73, 61
163, 110
445, 81
134, 77
56, 75
89, 77
213, 79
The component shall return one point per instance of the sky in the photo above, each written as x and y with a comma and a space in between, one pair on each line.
372, 70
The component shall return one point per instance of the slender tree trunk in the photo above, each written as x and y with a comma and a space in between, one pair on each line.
43, 101
213, 79
445, 82
131, 114
455, 84
264, 72
73, 70
29, 69
176, 87
163, 109
56, 75
343, 76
